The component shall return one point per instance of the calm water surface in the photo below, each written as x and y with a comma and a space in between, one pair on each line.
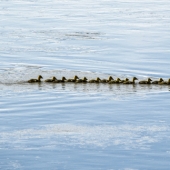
84, 126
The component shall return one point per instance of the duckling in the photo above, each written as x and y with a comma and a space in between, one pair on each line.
51, 80
158, 81
106, 81
84, 80
72, 80
35, 80
130, 82
115, 81
164, 82
122, 81
60, 81
145, 81
95, 81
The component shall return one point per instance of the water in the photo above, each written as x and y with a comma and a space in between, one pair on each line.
84, 126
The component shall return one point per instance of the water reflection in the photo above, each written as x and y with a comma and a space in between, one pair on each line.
106, 89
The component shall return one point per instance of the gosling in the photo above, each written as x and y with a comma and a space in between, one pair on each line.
158, 81
95, 81
130, 82
73, 80
51, 80
35, 80
165, 82
106, 81
60, 81
84, 80
145, 81
117, 81
122, 81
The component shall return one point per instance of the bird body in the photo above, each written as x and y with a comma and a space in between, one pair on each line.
95, 81
72, 80
158, 81
130, 82
148, 81
84, 80
51, 80
165, 82
106, 80
122, 81
115, 81
60, 81
35, 80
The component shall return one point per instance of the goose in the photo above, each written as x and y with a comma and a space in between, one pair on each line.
145, 81
95, 81
72, 80
164, 82
35, 80
106, 81
51, 80
122, 81
158, 81
115, 81
84, 80
60, 81
130, 82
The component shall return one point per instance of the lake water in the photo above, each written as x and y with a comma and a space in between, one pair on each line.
84, 126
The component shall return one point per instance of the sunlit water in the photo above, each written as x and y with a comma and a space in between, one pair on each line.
84, 126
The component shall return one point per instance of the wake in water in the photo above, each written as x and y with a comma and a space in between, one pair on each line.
15, 80
22, 74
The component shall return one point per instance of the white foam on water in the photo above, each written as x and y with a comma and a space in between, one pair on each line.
126, 136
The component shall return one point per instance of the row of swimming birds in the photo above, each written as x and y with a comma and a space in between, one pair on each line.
110, 80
